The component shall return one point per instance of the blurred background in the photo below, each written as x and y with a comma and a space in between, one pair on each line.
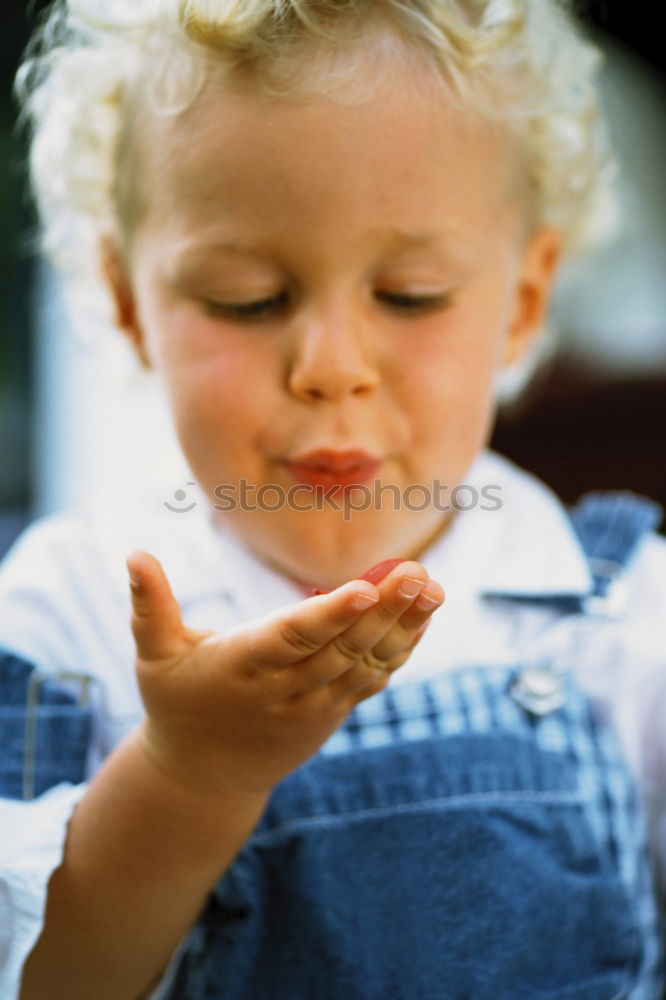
592, 418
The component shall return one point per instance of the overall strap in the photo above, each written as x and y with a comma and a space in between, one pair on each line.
609, 527
45, 727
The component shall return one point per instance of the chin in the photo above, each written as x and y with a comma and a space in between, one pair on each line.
330, 570
326, 551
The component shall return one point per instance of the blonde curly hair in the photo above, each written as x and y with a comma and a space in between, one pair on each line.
523, 62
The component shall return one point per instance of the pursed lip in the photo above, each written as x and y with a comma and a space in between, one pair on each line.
326, 467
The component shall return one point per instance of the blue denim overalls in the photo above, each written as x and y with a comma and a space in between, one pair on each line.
475, 837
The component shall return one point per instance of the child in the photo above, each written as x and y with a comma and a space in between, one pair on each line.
329, 227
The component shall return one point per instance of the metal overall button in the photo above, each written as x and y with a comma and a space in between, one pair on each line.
540, 685
539, 690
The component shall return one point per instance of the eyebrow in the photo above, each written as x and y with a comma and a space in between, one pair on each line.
446, 242
230, 246
188, 253
414, 239
398, 238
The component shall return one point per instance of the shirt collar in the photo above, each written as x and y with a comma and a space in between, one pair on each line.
517, 539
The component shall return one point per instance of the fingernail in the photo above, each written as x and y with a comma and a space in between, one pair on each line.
426, 603
135, 578
360, 602
410, 587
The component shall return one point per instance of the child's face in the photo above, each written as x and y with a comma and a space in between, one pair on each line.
386, 242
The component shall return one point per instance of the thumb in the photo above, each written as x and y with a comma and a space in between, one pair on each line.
157, 625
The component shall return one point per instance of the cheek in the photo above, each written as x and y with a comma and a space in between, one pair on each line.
215, 380
448, 385
450, 369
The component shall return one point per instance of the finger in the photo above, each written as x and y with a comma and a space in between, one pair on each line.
403, 656
428, 601
397, 593
156, 621
372, 683
348, 647
302, 630
370, 675
417, 614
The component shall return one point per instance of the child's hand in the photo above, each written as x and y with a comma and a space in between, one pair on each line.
240, 711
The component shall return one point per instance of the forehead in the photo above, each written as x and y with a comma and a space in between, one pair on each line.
403, 156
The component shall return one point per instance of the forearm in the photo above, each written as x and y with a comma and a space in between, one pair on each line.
141, 855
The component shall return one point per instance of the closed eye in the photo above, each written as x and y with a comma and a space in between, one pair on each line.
263, 308
414, 303
256, 309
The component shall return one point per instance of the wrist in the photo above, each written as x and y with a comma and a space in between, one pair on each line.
206, 794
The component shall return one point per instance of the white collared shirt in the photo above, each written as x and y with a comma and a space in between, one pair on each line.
64, 605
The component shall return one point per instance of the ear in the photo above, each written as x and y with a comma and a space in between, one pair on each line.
119, 286
534, 283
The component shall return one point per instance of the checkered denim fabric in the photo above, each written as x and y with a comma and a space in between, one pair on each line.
478, 700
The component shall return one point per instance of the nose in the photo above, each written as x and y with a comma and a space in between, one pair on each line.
330, 358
